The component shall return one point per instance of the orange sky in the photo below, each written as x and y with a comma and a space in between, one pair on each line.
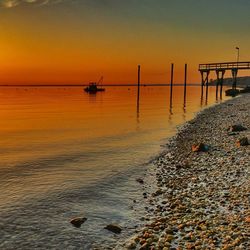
78, 41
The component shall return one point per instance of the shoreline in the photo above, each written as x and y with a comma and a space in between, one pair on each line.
200, 200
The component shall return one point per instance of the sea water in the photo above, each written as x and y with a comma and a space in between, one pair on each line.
65, 153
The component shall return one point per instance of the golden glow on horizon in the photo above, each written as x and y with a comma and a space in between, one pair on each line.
83, 60
64, 45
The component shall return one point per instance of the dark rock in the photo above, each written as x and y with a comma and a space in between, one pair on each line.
232, 92
77, 222
200, 147
236, 128
245, 90
114, 228
242, 142
141, 181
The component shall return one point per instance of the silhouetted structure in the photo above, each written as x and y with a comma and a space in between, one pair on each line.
185, 84
93, 87
138, 86
171, 84
220, 69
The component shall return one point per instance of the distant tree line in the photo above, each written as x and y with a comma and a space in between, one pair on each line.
241, 81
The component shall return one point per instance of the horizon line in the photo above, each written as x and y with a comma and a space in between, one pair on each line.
84, 85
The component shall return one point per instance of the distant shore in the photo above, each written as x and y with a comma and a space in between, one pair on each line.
242, 82
200, 200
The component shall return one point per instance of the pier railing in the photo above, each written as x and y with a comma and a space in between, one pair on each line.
224, 66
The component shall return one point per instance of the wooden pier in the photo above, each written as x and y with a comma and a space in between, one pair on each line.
220, 69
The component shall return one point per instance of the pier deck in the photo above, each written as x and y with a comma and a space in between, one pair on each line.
224, 66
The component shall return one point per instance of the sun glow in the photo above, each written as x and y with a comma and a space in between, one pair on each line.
77, 41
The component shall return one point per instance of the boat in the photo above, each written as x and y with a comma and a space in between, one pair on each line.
94, 87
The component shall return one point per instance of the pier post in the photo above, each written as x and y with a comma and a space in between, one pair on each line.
202, 82
171, 84
217, 83
234, 74
138, 85
221, 82
206, 94
207, 85
185, 84
204, 79
220, 77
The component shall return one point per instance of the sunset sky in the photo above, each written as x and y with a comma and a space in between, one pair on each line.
77, 41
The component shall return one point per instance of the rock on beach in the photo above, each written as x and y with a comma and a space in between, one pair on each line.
77, 222
236, 128
244, 141
114, 228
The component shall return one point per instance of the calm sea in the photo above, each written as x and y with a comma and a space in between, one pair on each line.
65, 153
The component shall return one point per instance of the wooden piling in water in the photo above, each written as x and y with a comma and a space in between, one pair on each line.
185, 84
206, 94
221, 88
138, 85
234, 75
171, 84
220, 76
204, 81
207, 86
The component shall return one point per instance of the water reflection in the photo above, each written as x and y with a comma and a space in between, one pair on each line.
148, 97
202, 98
62, 140
184, 109
138, 112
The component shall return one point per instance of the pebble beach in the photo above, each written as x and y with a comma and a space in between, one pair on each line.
197, 194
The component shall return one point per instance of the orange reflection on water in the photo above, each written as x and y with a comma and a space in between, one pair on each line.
72, 110
56, 137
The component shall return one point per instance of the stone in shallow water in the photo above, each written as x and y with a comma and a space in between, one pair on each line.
77, 222
245, 90
141, 181
114, 228
232, 92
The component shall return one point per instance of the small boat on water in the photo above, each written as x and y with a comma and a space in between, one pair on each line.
94, 87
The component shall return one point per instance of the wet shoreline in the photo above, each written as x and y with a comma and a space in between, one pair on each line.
200, 200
